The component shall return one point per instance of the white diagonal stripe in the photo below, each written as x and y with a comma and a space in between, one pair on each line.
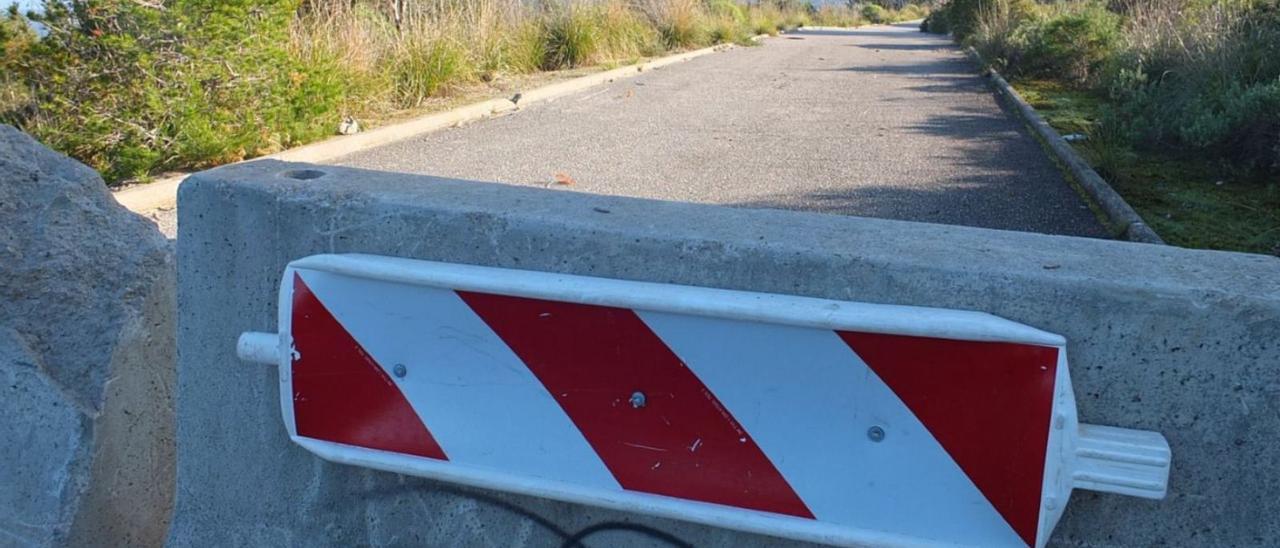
479, 401
809, 401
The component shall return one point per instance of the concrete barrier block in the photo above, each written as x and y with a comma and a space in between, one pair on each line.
1179, 341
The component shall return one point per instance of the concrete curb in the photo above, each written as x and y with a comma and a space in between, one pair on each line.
1120, 216
163, 192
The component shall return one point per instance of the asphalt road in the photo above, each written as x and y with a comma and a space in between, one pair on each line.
879, 121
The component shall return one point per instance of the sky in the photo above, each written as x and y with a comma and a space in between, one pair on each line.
23, 5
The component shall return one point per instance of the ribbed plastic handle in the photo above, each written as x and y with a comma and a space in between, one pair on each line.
1122, 461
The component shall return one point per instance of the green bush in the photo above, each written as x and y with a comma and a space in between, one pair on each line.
938, 22
1207, 83
684, 28
963, 18
572, 38
727, 31
728, 10
875, 14
1234, 121
909, 12
16, 39
625, 34
1072, 46
796, 19
525, 47
765, 22
130, 89
836, 16
1003, 32
428, 65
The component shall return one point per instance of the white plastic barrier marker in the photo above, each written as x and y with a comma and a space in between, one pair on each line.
836, 422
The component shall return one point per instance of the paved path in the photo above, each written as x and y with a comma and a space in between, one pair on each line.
879, 121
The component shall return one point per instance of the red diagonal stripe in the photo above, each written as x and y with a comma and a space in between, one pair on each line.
682, 443
340, 393
987, 404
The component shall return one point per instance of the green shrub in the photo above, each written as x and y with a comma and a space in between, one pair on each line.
910, 12
247, 86
962, 17
683, 26
938, 22
525, 47
727, 31
130, 89
1072, 46
1205, 81
836, 16
1234, 121
572, 38
965, 17
767, 20
427, 66
875, 14
625, 34
728, 10
16, 39
796, 19
1002, 32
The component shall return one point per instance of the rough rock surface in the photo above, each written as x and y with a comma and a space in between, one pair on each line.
86, 358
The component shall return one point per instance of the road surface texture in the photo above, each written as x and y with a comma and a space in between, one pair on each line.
881, 121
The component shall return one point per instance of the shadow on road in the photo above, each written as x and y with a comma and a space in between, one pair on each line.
905, 47
975, 201
830, 32
946, 67
978, 188
952, 87
858, 32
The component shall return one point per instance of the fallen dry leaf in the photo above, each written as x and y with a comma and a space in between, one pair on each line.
563, 178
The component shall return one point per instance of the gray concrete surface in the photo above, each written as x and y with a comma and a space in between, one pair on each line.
880, 121
1183, 342
86, 358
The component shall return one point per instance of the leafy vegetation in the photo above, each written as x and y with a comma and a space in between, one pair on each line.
1182, 96
135, 88
1188, 200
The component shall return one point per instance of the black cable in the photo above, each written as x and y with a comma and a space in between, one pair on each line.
492, 501
569, 540
576, 539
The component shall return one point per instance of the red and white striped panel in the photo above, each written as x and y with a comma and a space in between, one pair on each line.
821, 420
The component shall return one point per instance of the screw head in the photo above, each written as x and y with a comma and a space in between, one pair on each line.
399, 370
876, 434
637, 400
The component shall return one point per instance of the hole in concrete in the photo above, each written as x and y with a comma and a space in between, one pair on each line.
303, 174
